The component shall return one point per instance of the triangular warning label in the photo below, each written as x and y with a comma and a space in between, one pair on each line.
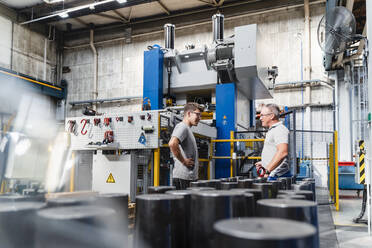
110, 179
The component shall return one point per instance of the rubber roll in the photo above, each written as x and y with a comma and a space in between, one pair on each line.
18, 223
199, 184
283, 183
260, 180
257, 195
300, 210
301, 186
245, 183
118, 202
264, 233
228, 185
266, 189
160, 221
159, 189
214, 183
200, 188
275, 187
69, 201
210, 206
77, 226
291, 196
187, 201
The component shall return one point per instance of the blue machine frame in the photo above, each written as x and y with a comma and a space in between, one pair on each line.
153, 77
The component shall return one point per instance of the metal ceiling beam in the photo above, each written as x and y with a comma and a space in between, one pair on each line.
163, 7
110, 17
206, 1
120, 15
130, 14
81, 22
182, 18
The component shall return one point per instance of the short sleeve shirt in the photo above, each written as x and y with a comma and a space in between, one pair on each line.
277, 134
188, 149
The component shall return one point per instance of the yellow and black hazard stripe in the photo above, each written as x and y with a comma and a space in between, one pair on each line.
362, 171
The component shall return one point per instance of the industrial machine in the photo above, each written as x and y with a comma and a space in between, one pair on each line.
229, 75
130, 150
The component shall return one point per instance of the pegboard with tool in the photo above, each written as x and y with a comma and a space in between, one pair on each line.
131, 130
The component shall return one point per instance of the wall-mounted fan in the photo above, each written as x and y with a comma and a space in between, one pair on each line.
336, 30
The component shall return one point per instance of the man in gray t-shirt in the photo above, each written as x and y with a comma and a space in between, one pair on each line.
275, 151
184, 148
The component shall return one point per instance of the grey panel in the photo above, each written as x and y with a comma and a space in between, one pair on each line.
194, 76
248, 72
83, 176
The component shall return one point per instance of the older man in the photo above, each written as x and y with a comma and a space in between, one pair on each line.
184, 148
275, 151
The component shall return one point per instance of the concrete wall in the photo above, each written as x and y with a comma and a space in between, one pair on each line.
22, 50
120, 66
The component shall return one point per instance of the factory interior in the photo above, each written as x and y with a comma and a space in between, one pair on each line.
185, 123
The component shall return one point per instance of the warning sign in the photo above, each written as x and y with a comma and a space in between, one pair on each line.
110, 179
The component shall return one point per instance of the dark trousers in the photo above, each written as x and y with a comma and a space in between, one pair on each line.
181, 183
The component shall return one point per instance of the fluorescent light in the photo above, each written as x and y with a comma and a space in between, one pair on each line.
91, 7
121, 1
63, 15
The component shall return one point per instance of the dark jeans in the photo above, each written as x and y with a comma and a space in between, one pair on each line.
181, 183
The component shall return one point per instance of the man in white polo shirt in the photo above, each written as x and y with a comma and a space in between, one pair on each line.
275, 151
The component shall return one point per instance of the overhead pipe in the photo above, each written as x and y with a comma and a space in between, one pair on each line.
95, 76
307, 50
116, 99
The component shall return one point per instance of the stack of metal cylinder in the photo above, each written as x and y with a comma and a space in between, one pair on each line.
34, 222
223, 213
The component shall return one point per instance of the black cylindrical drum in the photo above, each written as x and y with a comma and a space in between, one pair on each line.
312, 184
118, 202
301, 186
201, 183
289, 183
200, 188
166, 213
17, 198
232, 179
266, 189
228, 185
214, 183
291, 196
69, 201
276, 185
17, 223
307, 193
283, 183
77, 226
159, 189
210, 206
187, 202
264, 233
300, 210
260, 180
245, 183
257, 195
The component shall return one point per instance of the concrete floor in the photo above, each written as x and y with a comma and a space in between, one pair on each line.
336, 228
